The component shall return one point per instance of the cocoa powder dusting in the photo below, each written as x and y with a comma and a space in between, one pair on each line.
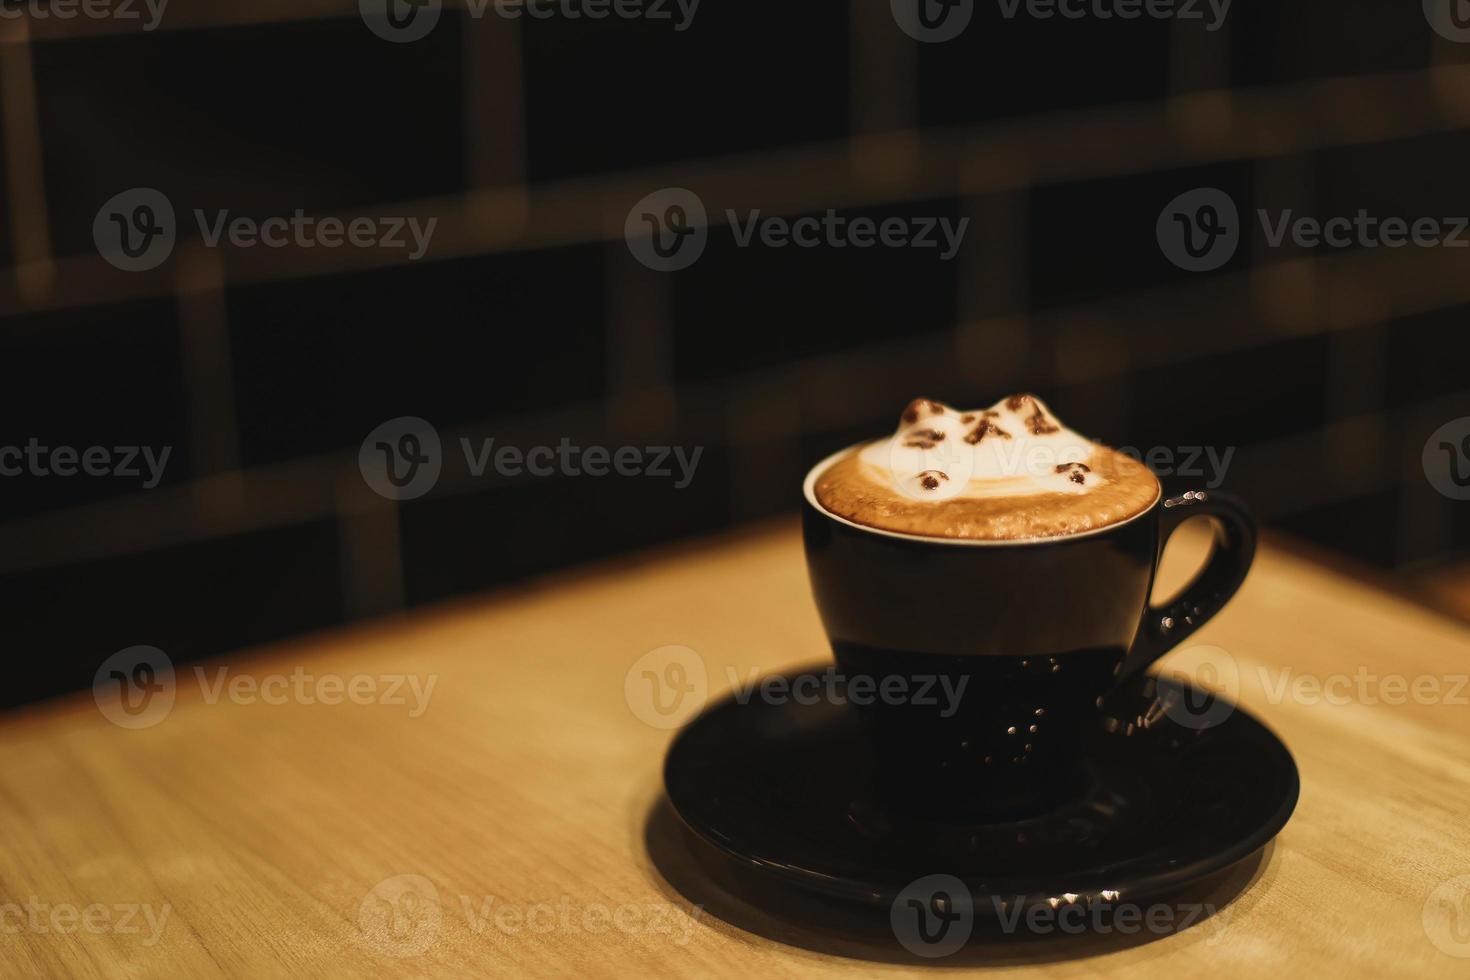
924, 439
986, 428
920, 407
929, 479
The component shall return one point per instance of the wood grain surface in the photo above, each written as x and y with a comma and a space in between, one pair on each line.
507, 820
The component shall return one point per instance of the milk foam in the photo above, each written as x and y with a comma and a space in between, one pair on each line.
1014, 448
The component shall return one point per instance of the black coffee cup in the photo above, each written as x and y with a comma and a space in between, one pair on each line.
997, 655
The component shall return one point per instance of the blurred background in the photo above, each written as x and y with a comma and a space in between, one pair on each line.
530, 317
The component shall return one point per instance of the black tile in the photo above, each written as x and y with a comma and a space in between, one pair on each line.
90, 377
1232, 399
192, 601
1004, 67
1426, 356
315, 114
1276, 43
1408, 179
320, 363
1097, 237
740, 308
615, 94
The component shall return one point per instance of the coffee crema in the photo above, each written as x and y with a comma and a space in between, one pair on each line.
1005, 473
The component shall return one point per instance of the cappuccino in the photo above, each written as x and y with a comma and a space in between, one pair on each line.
1009, 472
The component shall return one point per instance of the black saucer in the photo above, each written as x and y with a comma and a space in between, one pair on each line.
785, 789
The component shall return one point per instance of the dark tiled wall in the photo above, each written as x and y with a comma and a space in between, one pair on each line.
605, 96
319, 115
316, 359
94, 376
529, 321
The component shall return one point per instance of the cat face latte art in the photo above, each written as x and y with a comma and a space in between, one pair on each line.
1009, 472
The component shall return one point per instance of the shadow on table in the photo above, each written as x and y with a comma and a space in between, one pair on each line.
747, 900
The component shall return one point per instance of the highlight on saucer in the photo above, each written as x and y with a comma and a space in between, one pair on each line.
1007, 472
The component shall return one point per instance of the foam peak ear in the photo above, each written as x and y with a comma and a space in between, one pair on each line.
920, 407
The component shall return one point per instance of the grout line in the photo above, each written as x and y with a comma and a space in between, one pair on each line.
761, 433
370, 553
493, 80
204, 340
993, 341
30, 233
1425, 521
1201, 102
883, 113
639, 360
1198, 60
1293, 291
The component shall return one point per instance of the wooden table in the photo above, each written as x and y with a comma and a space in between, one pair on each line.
514, 826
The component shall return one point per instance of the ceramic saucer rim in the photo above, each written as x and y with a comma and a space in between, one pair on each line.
1142, 887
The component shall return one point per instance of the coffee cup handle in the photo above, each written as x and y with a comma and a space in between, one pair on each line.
1231, 553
